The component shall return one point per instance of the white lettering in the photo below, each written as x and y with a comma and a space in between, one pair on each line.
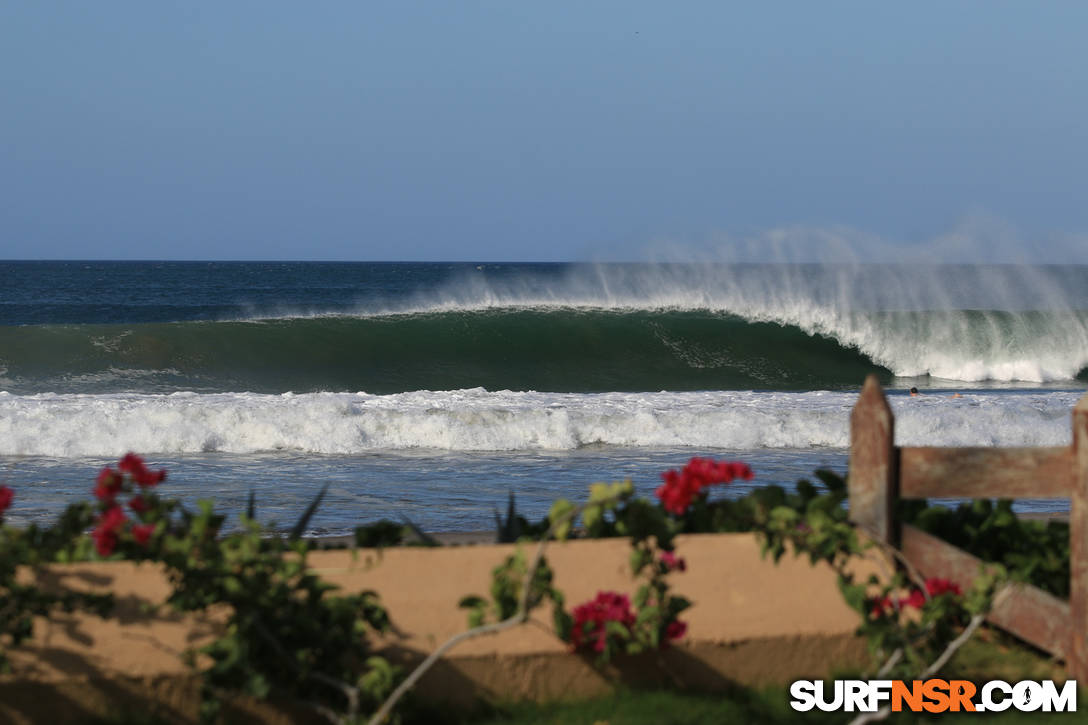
1064, 701
803, 694
1027, 696
879, 691
855, 696
988, 700
835, 703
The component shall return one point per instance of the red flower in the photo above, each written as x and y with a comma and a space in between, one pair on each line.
681, 487
105, 534
142, 533
673, 562
139, 504
916, 599
934, 587
133, 465
130, 463
108, 484
676, 629
590, 619
937, 587
880, 606
6, 496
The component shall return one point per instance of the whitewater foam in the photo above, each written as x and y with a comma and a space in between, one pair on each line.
478, 420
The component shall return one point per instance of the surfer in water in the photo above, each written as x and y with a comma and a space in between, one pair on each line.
914, 393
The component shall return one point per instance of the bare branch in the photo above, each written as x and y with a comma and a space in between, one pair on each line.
892, 662
519, 617
941, 661
912, 572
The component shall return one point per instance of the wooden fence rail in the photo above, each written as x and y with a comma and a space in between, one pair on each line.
881, 473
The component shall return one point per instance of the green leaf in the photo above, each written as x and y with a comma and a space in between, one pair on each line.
561, 508
591, 515
424, 538
854, 594
304, 520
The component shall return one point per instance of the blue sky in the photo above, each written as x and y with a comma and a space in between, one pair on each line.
535, 131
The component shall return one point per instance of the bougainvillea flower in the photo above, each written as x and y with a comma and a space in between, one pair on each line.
106, 533
673, 562
881, 605
681, 487
676, 629
142, 533
915, 600
590, 619
108, 484
134, 466
130, 463
935, 587
6, 497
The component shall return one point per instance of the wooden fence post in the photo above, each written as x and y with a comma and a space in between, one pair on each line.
1078, 546
873, 475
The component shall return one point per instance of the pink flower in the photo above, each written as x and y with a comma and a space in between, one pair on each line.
7, 494
673, 562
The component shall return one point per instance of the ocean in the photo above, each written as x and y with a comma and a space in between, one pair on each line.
432, 390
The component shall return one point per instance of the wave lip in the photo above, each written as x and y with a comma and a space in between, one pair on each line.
79, 425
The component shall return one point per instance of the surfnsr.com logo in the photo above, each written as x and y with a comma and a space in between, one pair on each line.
933, 695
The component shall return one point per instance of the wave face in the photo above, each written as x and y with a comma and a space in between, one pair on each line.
397, 328
64, 426
564, 350
560, 350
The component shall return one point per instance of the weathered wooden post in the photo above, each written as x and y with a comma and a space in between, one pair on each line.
873, 476
1078, 546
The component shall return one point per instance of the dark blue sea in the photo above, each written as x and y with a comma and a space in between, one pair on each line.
431, 390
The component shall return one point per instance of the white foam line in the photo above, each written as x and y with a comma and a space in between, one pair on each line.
477, 420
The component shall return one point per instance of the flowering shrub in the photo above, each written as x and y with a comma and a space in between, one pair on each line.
812, 522
20, 599
612, 623
285, 632
815, 524
135, 479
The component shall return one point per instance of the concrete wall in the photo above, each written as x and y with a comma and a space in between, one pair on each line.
752, 623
